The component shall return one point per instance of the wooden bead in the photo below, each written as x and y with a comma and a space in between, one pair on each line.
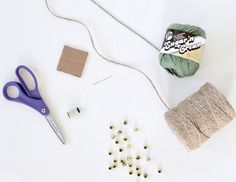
138, 157
119, 132
109, 168
112, 127
129, 158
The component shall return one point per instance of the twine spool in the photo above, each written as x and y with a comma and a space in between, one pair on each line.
198, 117
181, 51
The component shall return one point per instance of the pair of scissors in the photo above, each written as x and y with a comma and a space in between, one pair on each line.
30, 97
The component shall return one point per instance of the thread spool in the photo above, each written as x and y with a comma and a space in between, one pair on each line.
181, 51
73, 113
198, 117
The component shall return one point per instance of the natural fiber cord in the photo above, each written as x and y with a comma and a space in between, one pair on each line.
125, 25
198, 117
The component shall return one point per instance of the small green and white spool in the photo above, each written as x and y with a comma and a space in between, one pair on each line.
73, 113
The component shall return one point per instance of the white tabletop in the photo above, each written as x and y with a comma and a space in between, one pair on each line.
29, 35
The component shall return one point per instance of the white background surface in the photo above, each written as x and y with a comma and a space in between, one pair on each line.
30, 35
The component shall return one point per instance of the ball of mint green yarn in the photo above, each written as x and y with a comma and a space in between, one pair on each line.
175, 65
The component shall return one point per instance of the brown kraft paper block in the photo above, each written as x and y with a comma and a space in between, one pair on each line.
72, 61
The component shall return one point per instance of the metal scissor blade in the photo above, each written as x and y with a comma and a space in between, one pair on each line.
55, 128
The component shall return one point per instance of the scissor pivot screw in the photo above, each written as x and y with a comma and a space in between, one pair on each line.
43, 110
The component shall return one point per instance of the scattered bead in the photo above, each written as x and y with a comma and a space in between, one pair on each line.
119, 132
130, 172
120, 150
130, 165
138, 174
129, 158
112, 127
138, 157
145, 175
125, 122
117, 142
159, 171
137, 168
115, 160
145, 147
110, 152
110, 168
125, 139
115, 166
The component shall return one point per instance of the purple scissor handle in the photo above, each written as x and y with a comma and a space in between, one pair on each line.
31, 98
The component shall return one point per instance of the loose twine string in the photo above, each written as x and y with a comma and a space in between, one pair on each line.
101, 55
125, 25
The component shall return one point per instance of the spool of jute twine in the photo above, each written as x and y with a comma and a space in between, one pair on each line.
198, 117
195, 119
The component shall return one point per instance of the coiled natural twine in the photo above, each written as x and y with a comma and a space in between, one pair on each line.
195, 119
180, 66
